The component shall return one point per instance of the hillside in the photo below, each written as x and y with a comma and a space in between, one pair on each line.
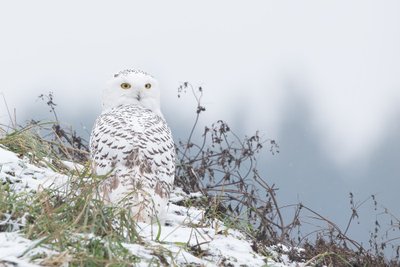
189, 236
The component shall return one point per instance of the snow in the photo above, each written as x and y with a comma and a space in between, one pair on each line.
186, 231
25, 176
17, 250
221, 243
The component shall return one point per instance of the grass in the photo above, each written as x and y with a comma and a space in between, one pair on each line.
77, 225
78, 222
13, 208
73, 221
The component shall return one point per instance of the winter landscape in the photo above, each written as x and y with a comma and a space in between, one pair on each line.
199, 133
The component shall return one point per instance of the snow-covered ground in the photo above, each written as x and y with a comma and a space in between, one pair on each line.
222, 246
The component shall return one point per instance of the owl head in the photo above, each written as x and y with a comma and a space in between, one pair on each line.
132, 87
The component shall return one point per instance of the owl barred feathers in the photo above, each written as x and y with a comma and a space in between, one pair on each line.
131, 144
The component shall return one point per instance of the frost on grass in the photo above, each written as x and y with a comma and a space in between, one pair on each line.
189, 237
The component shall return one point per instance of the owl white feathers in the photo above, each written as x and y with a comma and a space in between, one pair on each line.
132, 146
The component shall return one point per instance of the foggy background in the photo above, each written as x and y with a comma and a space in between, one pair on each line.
322, 78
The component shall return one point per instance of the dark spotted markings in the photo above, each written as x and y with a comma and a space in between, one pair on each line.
135, 147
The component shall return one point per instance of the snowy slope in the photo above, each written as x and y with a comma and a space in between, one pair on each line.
221, 246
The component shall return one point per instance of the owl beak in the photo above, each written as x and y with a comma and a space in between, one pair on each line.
138, 97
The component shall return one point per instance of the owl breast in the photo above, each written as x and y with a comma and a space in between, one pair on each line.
133, 151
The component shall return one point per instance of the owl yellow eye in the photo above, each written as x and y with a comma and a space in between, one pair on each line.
125, 85
147, 85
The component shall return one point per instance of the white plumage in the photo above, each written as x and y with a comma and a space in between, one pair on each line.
132, 145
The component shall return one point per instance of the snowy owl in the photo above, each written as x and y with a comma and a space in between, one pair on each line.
132, 146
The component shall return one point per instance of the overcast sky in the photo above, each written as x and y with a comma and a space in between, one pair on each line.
320, 77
